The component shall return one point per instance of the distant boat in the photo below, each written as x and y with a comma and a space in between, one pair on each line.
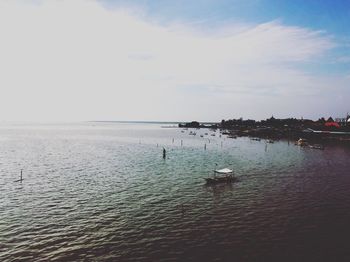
221, 176
317, 146
213, 134
270, 141
201, 136
255, 139
192, 133
302, 142
232, 136
206, 134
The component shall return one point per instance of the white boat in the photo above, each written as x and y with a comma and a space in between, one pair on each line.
317, 146
302, 142
224, 175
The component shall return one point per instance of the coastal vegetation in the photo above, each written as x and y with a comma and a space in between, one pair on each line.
321, 130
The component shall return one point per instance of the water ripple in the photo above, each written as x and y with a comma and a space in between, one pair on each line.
95, 193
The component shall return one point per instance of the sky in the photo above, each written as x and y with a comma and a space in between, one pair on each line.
162, 60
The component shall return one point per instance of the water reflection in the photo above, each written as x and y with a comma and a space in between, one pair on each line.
218, 190
93, 192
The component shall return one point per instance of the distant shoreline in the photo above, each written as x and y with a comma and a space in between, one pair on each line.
320, 131
146, 122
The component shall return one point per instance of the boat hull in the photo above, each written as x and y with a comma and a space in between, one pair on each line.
220, 180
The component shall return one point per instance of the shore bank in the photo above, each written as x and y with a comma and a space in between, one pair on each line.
292, 129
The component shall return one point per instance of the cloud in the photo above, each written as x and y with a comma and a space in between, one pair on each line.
76, 60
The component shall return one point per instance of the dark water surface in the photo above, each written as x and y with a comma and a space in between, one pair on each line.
102, 192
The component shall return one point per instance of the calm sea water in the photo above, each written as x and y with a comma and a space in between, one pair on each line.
102, 192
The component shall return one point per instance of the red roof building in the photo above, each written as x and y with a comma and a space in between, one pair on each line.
332, 124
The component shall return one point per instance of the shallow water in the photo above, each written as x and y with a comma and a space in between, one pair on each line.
101, 191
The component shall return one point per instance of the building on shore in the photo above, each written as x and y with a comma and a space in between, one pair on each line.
343, 121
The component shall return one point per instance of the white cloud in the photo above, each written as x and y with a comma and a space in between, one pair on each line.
75, 60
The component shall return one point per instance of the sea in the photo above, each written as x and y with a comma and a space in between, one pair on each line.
101, 191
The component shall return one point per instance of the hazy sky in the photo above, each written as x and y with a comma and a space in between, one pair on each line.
207, 60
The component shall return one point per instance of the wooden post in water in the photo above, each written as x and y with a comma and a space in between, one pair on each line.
205, 146
21, 177
164, 153
181, 142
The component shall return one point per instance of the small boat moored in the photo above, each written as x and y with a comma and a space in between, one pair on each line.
255, 139
317, 146
302, 142
221, 176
